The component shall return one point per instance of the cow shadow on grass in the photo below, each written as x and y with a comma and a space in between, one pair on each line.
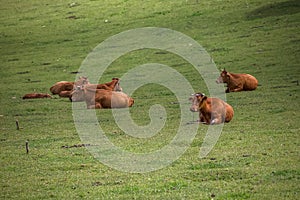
275, 9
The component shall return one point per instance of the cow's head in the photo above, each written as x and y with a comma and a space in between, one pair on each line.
196, 100
78, 89
77, 94
83, 80
224, 77
117, 87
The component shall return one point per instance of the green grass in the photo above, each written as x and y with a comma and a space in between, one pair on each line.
257, 155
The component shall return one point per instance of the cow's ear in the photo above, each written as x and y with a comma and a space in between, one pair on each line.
200, 96
202, 101
228, 76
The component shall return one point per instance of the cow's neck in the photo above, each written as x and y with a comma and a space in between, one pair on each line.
112, 83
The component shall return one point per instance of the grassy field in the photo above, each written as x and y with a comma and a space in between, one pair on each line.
257, 155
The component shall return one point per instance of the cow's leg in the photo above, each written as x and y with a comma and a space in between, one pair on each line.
206, 118
94, 106
201, 118
98, 106
238, 89
215, 121
216, 118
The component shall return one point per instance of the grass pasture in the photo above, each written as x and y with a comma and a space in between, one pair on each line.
257, 154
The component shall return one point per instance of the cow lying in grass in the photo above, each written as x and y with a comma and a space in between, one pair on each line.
65, 88
36, 95
211, 110
114, 85
237, 82
100, 98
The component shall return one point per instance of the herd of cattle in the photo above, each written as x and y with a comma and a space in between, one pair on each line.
109, 95
106, 95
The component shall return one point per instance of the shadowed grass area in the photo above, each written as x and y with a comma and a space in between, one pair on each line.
257, 154
276, 9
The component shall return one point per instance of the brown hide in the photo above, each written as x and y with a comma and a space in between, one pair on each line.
237, 82
100, 98
211, 110
65, 93
36, 95
229, 112
61, 86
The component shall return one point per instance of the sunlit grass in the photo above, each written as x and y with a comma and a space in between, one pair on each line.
257, 154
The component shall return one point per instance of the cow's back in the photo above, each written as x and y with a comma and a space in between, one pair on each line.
119, 100
107, 99
229, 112
61, 86
219, 107
250, 82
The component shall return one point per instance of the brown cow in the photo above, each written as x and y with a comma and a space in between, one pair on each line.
58, 87
114, 85
36, 95
100, 98
211, 110
237, 82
